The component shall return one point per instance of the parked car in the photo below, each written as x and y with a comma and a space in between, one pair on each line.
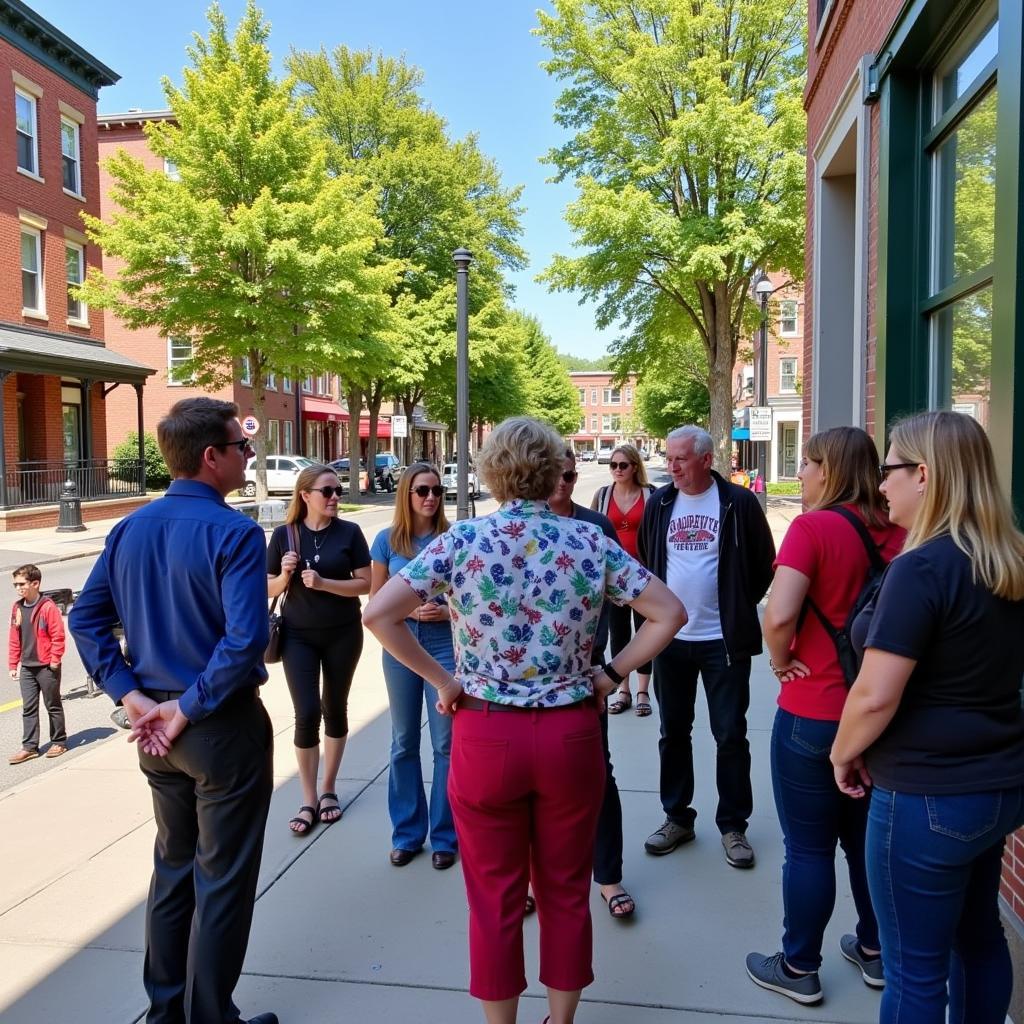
588, 455
645, 454
450, 480
604, 455
387, 470
282, 472
340, 466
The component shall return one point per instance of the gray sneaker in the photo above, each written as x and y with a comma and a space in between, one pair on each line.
767, 972
870, 970
738, 852
668, 837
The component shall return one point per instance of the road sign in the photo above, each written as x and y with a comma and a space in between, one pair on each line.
399, 426
760, 423
250, 425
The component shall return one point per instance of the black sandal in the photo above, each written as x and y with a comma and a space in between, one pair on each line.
623, 702
620, 899
306, 826
643, 707
329, 809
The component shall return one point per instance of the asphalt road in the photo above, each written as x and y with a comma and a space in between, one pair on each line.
88, 718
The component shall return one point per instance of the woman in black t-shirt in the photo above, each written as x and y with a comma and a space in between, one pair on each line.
322, 632
933, 724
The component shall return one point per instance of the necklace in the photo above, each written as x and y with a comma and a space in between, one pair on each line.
318, 541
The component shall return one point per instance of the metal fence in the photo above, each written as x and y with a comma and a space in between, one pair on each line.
42, 482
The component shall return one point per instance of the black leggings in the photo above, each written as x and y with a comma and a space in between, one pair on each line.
337, 650
618, 625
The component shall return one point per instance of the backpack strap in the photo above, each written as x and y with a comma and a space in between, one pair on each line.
293, 545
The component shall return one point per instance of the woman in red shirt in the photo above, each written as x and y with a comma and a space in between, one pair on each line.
623, 501
823, 560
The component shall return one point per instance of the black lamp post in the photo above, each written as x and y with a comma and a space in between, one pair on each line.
462, 258
763, 289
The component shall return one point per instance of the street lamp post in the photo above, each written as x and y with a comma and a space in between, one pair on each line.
462, 258
763, 289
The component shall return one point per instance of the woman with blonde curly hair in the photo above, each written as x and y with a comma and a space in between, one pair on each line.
419, 518
319, 565
525, 589
933, 725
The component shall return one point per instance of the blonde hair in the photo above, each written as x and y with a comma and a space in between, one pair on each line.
849, 459
521, 458
402, 524
639, 472
963, 497
304, 482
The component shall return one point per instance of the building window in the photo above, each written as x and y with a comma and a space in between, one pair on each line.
612, 396
25, 129
273, 438
748, 381
787, 318
593, 423
611, 423
71, 165
31, 272
583, 424
75, 254
171, 170
271, 381
307, 385
593, 396
286, 385
245, 376
288, 442
629, 396
787, 376
179, 352
583, 395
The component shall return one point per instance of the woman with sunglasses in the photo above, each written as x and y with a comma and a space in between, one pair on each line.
623, 501
419, 518
933, 725
319, 577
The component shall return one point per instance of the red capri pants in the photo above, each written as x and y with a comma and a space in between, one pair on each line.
526, 788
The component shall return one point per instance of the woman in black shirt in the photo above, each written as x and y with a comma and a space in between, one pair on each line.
934, 726
323, 570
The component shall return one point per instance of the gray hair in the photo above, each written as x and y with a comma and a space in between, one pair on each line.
703, 444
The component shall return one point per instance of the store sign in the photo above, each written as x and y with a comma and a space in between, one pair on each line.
399, 426
760, 423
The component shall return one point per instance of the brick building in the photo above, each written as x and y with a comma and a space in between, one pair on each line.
55, 372
915, 234
784, 379
607, 415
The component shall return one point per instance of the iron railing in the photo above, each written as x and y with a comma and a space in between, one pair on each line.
42, 482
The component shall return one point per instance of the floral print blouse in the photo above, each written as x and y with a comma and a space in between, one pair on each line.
525, 589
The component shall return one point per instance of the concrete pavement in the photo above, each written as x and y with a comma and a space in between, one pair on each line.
340, 935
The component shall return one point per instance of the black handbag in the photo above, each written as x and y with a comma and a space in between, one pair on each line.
272, 654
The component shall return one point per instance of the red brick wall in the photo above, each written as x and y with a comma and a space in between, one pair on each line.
599, 380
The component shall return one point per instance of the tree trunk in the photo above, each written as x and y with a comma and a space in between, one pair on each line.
259, 440
720, 389
354, 400
408, 451
374, 398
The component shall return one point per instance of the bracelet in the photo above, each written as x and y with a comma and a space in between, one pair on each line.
609, 671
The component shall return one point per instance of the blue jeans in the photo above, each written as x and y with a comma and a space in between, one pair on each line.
407, 801
814, 816
933, 867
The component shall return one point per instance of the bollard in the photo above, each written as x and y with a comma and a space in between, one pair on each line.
70, 520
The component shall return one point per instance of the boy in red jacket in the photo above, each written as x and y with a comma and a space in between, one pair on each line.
37, 642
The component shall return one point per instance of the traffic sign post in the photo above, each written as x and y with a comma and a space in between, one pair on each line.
399, 426
760, 422
250, 425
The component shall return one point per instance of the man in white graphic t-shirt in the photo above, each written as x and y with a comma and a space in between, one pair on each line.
709, 541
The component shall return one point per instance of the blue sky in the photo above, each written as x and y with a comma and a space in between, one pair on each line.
482, 73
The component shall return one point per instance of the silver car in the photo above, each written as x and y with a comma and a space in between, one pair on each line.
450, 480
282, 472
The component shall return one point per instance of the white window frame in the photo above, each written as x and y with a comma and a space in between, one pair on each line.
583, 395
593, 396
271, 382
783, 374
39, 310
82, 319
76, 130
289, 442
286, 385
171, 170
244, 373
33, 171
274, 438
593, 422
785, 304
629, 396
613, 396
583, 424
173, 361
307, 385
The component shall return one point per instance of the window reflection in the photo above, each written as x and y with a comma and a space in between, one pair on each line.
958, 80
962, 340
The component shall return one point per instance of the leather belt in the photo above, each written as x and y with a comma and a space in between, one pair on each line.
468, 703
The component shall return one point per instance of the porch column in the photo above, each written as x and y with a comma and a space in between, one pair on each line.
87, 475
142, 440
4, 374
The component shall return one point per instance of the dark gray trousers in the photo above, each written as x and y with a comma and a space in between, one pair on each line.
35, 680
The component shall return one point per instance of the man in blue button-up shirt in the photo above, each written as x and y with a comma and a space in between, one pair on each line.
186, 575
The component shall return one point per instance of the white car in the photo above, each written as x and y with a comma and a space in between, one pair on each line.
450, 480
282, 472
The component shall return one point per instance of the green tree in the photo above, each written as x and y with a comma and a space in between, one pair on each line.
126, 457
253, 238
687, 147
550, 395
572, 363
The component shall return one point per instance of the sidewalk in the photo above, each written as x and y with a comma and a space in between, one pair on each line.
340, 935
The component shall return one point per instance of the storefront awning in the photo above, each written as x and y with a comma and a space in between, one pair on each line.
24, 350
383, 428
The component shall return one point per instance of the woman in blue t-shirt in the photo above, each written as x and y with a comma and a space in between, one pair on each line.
419, 518
934, 726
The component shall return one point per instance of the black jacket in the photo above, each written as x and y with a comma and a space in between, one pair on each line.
746, 553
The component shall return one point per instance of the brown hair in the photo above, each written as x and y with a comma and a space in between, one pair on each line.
963, 497
304, 482
521, 458
633, 456
401, 526
29, 571
849, 460
192, 426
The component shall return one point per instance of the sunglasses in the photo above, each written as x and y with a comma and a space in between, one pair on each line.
620, 465
569, 475
885, 468
240, 445
327, 491
423, 490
